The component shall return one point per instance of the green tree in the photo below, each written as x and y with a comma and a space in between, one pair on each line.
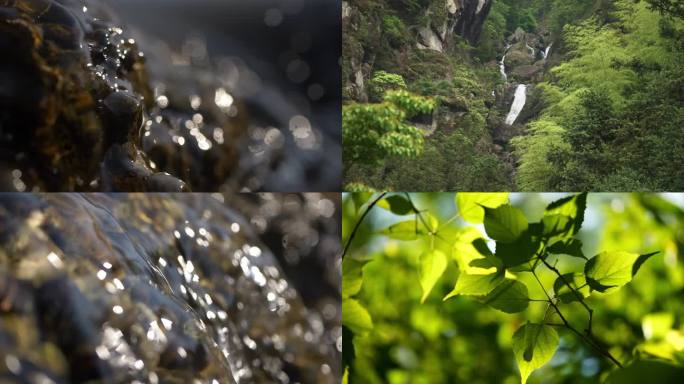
371, 132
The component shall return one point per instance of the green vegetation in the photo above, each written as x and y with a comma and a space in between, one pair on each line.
487, 287
603, 112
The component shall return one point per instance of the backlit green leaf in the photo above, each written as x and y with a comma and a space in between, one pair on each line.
396, 204
572, 247
612, 269
518, 252
476, 285
355, 316
570, 206
352, 276
405, 230
432, 266
556, 226
510, 297
577, 282
470, 204
505, 223
533, 346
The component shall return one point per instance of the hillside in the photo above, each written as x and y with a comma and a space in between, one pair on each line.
513, 94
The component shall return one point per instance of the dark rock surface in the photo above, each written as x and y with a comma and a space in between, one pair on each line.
169, 289
83, 107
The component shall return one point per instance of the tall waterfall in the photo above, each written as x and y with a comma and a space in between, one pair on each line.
546, 51
518, 104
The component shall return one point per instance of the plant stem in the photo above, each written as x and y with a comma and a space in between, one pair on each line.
580, 298
586, 338
358, 223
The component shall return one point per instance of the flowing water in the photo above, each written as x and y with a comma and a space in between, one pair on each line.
546, 51
518, 103
502, 64
162, 289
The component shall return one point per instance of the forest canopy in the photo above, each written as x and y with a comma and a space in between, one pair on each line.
603, 106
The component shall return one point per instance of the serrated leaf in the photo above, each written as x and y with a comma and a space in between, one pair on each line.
476, 285
533, 346
571, 247
576, 280
352, 276
432, 266
505, 223
571, 206
405, 230
510, 297
556, 226
612, 269
355, 316
398, 205
470, 204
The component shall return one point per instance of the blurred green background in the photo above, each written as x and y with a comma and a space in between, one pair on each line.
462, 340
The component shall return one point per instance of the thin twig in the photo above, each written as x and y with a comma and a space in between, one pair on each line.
586, 338
358, 223
580, 298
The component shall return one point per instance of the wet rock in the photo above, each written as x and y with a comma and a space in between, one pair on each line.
165, 289
77, 83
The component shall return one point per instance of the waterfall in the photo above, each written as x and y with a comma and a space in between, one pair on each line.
502, 64
546, 51
518, 104
530, 48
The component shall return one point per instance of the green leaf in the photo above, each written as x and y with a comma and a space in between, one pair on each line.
555, 225
575, 280
510, 297
489, 260
533, 346
571, 206
405, 230
572, 247
640, 261
646, 371
613, 269
398, 205
470, 204
505, 223
355, 316
476, 285
352, 276
518, 252
432, 266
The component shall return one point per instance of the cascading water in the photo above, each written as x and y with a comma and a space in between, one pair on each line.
502, 64
518, 104
546, 51
530, 48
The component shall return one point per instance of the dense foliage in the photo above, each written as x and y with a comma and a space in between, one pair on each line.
604, 113
481, 288
613, 109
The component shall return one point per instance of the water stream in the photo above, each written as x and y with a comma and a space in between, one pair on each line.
518, 104
154, 288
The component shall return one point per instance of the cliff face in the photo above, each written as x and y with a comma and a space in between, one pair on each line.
471, 15
370, 30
